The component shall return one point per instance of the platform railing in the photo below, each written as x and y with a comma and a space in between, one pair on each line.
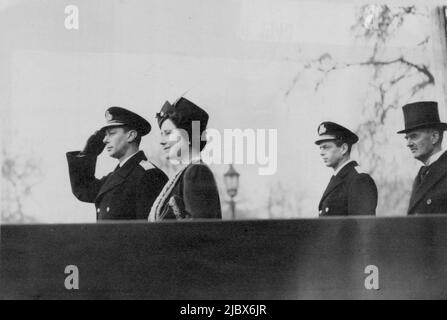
330, 258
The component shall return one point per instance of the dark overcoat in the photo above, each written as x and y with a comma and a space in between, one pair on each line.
125, 194
193, 195
349, 193
430, 196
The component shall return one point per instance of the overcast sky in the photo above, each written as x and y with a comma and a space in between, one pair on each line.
237, 59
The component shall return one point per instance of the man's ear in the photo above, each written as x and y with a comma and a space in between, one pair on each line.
435, 136
344, 148
132, 135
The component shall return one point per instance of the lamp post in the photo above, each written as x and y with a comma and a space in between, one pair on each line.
231, 178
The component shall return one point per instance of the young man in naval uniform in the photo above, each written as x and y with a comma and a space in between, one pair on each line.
424, 133
129, 191
348, 192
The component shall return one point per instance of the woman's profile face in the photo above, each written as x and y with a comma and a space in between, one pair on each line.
174, 141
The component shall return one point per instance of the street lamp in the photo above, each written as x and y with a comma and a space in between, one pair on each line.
231, 178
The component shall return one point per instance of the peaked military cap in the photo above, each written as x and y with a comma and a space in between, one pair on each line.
332, 131
182, 112
422, 114
117, 116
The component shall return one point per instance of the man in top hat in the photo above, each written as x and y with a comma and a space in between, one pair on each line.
424, 133
129, 191
348, 192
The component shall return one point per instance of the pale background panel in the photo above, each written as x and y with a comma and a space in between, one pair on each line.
243, 61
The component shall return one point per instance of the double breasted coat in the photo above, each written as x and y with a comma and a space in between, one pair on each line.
124, 194
349, 193
430, 196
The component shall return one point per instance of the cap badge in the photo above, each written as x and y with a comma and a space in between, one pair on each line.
322, 129
109, 116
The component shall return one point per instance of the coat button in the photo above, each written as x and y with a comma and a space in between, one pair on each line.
429, 201
108, 209
98, 210
327, 209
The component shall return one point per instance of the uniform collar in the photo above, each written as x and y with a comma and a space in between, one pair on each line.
125, 160
342, 166
131, 162
120, 174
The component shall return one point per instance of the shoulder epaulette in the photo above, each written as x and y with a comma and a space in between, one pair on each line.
360, 169
146, 165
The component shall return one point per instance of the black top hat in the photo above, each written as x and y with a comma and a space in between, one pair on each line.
332, 131
117, 116
422, 114
182, 113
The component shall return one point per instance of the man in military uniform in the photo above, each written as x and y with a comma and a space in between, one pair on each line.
348, 192
424, 133
130, 190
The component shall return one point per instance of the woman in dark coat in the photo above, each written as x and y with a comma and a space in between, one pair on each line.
192, 192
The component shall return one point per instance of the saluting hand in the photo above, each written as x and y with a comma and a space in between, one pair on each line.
95, 144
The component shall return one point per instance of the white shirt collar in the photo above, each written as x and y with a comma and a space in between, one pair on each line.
435, 157
127, 159
342, 166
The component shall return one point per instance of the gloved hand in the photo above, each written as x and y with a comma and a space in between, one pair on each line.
95, 144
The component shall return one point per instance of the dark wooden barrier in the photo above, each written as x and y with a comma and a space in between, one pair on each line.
266, 259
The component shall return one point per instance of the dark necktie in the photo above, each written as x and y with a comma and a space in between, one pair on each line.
422, 173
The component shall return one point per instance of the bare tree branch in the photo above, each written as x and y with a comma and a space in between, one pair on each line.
19, 177
378, 24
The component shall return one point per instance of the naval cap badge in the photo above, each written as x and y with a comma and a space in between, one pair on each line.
109, 116
322, 129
